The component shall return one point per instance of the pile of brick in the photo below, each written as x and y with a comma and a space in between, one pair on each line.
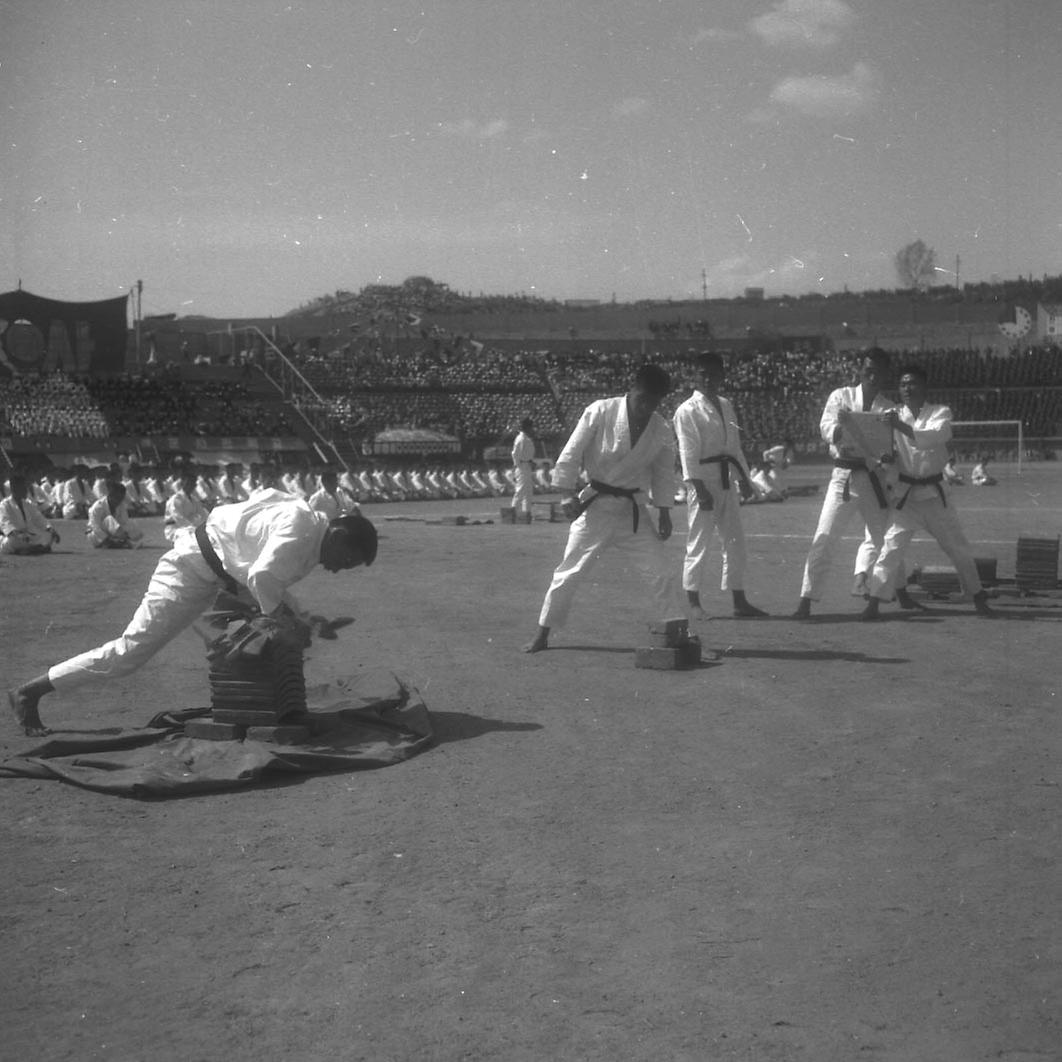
671, 647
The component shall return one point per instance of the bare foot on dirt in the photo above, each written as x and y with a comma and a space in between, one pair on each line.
539, 642
24, 705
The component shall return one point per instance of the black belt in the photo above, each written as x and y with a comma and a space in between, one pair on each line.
857, 464
923, 481
724, 461
615, 492
206, 547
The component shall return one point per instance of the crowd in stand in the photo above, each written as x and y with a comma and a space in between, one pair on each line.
87, 407
478, 395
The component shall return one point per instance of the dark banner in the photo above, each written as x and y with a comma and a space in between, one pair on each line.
38, 334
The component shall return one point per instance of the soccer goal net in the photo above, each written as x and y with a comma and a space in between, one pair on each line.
1000, 440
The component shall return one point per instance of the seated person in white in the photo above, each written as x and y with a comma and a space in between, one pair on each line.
109, 524
77, 494
980, 476
331, 499
183, 508
23, 530
952, 475
229, 487
766, 491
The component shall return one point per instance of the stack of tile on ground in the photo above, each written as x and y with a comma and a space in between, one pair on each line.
257, 687
939, 580
671, 647
1036, 567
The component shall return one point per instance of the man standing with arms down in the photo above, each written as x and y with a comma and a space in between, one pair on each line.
922, 431
264, 545
524, 467
625, 448
709, 442
852, 481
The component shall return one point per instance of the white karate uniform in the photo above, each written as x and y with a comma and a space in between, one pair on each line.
332, 505
600, 445
523, 472
77, 497
182, 511
704, 432
924, 506
107, 528
23, 528
266, 544
836, 511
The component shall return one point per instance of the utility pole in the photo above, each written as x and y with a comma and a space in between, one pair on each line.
704, 283
958, 285
139, 296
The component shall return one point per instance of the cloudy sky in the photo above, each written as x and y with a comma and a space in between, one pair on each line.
244, 156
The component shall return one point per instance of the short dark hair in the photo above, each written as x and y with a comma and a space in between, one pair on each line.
653, 380
710, 359
361, 532
911, 369
877, 355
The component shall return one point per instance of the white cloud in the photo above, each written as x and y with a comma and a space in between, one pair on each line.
631, 106
714, 35
803, 23
821, 96
473, 131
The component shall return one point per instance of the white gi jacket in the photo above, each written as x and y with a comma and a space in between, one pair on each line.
268, 543
703, 433
600, 446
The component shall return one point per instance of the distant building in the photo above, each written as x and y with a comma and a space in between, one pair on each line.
581, 303
1049, 321
754, 294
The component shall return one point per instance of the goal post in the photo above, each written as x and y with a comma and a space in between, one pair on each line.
1002, 440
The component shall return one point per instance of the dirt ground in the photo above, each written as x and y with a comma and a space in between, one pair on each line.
840, 841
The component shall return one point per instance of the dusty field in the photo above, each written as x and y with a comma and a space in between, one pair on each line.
839, 842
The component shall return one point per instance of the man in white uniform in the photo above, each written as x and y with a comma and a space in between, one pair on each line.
330, 498
264, 545
184, 508
852, 481
22, 527
523, 454
709, 443
625, 448
922, 431
109, 525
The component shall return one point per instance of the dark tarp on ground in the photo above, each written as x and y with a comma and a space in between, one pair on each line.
374, 720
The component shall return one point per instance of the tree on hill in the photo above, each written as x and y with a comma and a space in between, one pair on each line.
916, 265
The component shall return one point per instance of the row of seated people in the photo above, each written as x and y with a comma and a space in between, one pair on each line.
111, 497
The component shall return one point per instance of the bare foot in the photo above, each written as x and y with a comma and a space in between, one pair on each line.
871, 611
24, 705
697, 614
538, 643
980, 600
803, 609
859, 585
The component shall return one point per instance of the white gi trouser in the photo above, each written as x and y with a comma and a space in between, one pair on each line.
724, 518
924, 509
524, 493
181, 589
834, 519
607, 524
